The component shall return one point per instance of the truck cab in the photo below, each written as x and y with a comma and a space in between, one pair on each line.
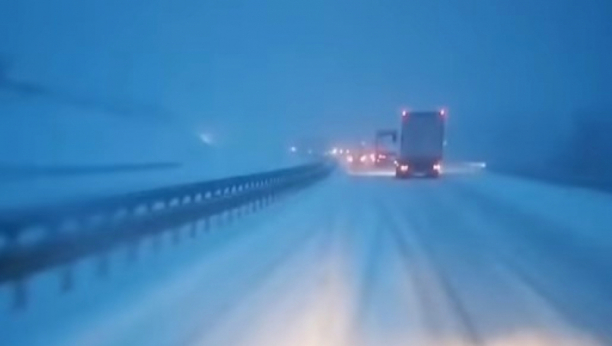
384, 148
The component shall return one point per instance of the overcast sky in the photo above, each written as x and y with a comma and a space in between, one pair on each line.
281, 69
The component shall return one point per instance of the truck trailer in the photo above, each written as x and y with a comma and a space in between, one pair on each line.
421, 144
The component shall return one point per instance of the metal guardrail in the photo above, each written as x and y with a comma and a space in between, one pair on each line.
33, 241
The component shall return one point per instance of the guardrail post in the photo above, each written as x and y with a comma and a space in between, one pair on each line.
193, 229
102, 267
176, 231
20, 294
132, 251
206, 224
67, 279
176, 235
18, 284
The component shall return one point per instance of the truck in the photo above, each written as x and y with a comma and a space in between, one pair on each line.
384, 156
421, 144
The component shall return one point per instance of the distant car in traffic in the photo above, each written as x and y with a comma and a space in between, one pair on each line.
360, 159
384, 159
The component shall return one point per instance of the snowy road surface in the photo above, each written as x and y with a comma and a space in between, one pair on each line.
357, 260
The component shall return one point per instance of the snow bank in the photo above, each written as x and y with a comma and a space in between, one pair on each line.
574, 208
51, 151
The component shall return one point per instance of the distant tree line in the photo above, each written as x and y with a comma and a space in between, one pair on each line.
590, 146
113, 107
581, 154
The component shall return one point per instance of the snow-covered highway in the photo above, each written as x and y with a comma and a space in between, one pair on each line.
473, 259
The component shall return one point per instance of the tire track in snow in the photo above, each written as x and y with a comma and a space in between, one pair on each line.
450, 228
305, 301
413, 249
526, 261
